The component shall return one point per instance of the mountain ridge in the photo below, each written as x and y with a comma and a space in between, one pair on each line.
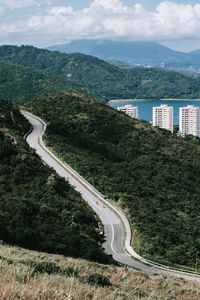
132, 53
87, 74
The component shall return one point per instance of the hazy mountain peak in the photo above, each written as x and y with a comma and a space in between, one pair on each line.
133, 53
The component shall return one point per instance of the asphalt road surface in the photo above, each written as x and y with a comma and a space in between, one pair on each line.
110, 216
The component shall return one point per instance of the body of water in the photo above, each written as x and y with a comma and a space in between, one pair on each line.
145, 107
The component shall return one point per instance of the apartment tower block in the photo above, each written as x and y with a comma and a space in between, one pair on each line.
189, 120
130, 110
163, 117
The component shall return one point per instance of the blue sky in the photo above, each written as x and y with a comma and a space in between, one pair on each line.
79, 4
149, 4
47, 22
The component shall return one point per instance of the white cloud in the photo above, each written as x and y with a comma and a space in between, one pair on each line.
61, 10
178, 21
51, 24
113, 5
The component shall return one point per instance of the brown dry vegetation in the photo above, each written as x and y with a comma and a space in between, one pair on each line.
34, 275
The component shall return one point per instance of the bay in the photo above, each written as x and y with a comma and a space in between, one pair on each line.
145, 107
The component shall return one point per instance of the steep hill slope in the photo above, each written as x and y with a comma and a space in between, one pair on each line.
33, 275
151, 173
38, 209
96, 77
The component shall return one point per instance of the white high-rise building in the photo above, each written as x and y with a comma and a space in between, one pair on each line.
130, 110
189, 120
163, 116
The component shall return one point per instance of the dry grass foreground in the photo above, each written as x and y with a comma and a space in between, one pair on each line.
35, 275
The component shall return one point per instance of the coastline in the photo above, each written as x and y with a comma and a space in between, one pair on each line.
141, 100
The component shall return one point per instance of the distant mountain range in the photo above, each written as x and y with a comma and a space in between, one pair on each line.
134, 53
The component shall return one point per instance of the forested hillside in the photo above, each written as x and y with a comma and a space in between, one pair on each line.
54, 71
151, 173
19, 82
38, 209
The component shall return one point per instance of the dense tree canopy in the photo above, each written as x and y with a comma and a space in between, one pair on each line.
153, 174
38, 209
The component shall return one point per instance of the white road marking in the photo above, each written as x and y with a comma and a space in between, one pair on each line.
113, 235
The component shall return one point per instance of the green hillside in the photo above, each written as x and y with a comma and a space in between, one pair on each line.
151, 173
38, 209
89, 75
20, 82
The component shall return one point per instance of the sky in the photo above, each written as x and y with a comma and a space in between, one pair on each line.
43, 23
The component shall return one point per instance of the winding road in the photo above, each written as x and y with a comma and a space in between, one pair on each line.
116, 226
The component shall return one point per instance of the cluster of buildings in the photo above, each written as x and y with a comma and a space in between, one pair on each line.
189, 117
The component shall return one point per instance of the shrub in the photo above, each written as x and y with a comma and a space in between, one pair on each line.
46, 267
98, 279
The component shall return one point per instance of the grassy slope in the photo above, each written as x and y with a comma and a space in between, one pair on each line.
33, 275
38, 209
96, 77
151, 173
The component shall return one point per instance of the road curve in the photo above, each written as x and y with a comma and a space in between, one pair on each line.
113, 219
